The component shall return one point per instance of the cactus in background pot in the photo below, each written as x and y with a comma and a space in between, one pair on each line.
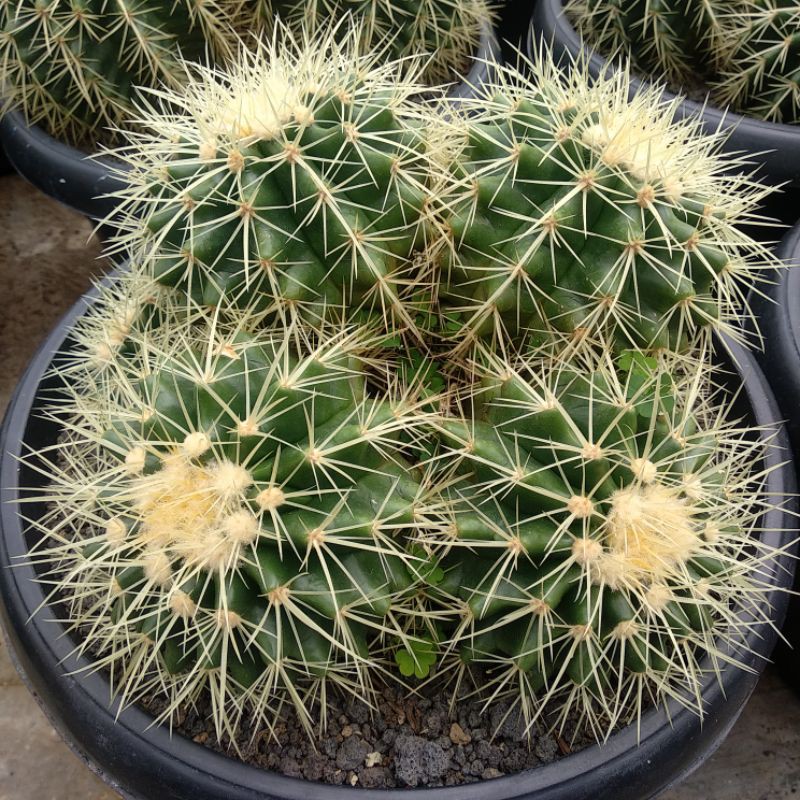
447, 31
73, 65
761, 67
601, 546
676, 38
744, 51
297, 177
229, 512
575, 210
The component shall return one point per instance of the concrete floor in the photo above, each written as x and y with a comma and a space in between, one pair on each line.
46, 262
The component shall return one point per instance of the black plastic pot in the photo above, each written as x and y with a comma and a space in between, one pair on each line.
149, 764
82, 182
773, 146
59, 170
779, 320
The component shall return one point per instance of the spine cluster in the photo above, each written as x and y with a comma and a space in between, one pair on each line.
396, 391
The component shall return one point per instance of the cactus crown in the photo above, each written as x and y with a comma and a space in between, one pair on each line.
73, 66
300, 176
581, 211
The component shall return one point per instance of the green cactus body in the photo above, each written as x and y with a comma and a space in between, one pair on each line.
579, 211
761, 71
73, 64
678, 39
249, 520
600, 536
448, 31
298, 178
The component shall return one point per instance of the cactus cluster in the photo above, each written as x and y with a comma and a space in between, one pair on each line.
746, 51
401, 390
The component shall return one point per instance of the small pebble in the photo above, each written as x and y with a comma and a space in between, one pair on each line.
458, 735
491, 772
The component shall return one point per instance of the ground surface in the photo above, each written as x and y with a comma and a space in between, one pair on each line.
46, 262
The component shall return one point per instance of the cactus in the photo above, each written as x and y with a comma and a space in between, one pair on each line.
229, 512
601, 545
678, 39
73, 65
257, 497
447, 31
761, 66
298, 177
577, 210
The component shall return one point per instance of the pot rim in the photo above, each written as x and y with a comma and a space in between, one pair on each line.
788, 288
624, 750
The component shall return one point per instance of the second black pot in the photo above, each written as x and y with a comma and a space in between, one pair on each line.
773, 146
778, 313
147, 763
59, 170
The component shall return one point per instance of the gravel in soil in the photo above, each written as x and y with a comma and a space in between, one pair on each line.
406, 741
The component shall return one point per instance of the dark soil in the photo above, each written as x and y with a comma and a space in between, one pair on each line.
407, 741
